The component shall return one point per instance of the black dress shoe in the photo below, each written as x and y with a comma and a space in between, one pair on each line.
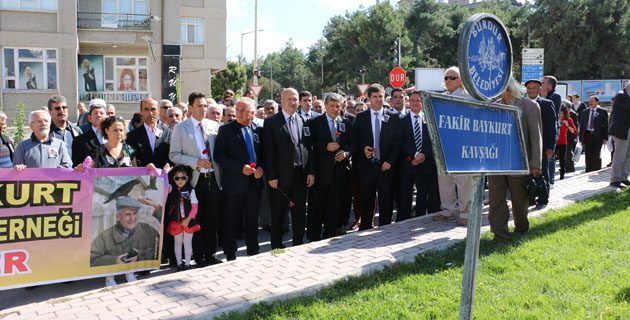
278, 247
626, 182
252, 253
615, 184
230, 258
181, 267
201, 263
213, 260
540, 206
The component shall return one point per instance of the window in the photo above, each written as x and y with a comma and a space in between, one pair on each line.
192, 30
30, 69
125, 6
126, 74
36, 5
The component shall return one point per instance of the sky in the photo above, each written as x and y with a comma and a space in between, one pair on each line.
302, 21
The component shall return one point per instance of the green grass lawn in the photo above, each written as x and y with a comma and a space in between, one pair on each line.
573, 264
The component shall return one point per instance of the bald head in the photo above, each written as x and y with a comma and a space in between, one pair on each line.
150, 111
290, 100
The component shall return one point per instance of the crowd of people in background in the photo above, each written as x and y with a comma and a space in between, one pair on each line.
236, 167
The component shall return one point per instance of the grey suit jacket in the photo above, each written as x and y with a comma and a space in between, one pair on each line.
532, 129
184, 148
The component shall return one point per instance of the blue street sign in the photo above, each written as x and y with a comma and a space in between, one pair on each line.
525, 79
485, 56
532, 74
533, 67
474, 137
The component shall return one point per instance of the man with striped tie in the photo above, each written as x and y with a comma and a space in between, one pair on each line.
417, 165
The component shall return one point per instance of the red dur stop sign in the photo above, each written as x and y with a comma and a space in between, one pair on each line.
397, 77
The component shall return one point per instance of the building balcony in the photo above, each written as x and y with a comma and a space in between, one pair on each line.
115, 96
115, 21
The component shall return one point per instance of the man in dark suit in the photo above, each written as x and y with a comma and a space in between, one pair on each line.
151, 141
289, 168
239, 152
330, 135
580, 106
376, 139
619, 129
549, 134
548, 91
306, 106
90, 139
593, 133
417, 165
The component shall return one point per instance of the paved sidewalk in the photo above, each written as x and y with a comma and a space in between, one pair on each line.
211, 291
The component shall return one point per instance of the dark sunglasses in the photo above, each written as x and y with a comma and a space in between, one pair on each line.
450, 78
58, 108
183, 178
165, 107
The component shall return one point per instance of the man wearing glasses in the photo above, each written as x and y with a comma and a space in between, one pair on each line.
454, 189
165, 104
60, 127
41, 150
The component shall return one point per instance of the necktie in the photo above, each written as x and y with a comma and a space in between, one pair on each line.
377, 136
590, 121
333, 129
205, 142
250, 145
297, 153
417, 134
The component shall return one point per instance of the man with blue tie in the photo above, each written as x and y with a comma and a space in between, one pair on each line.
285, 134
376, 139
238, 150
330, 135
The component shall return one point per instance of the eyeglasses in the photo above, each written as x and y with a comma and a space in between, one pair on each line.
450, 78
166, 107
58, 108
182, 178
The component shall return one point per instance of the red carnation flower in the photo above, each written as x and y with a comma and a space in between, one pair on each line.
408, 158
253, 165
291, 205
204, 151
338, 133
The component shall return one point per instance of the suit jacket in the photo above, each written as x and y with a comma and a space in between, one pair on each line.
84, 145
184, 149
325, 160
231, 153
279, 148
139, 140
549, 123
621, 113
580, 109
390, 143
85, 127
556, 99
409, 146
6, 141
600, 124
532, 131
349, 116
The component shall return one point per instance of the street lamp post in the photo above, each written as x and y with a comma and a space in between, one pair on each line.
240, 59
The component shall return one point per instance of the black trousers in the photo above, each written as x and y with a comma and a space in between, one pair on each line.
373, 181
209, 197
296, 191
427, 197
236, 206
562, 150
326, 204
592, 152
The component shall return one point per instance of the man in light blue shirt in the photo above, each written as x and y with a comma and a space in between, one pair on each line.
41, 150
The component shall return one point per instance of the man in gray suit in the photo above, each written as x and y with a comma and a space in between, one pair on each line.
499, 213
192, 144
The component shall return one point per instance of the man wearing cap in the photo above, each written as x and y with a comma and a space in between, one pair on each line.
83, 145
549, 134
42, 150
60, 127
126, 241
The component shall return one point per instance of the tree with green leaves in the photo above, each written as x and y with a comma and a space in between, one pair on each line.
233, 78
